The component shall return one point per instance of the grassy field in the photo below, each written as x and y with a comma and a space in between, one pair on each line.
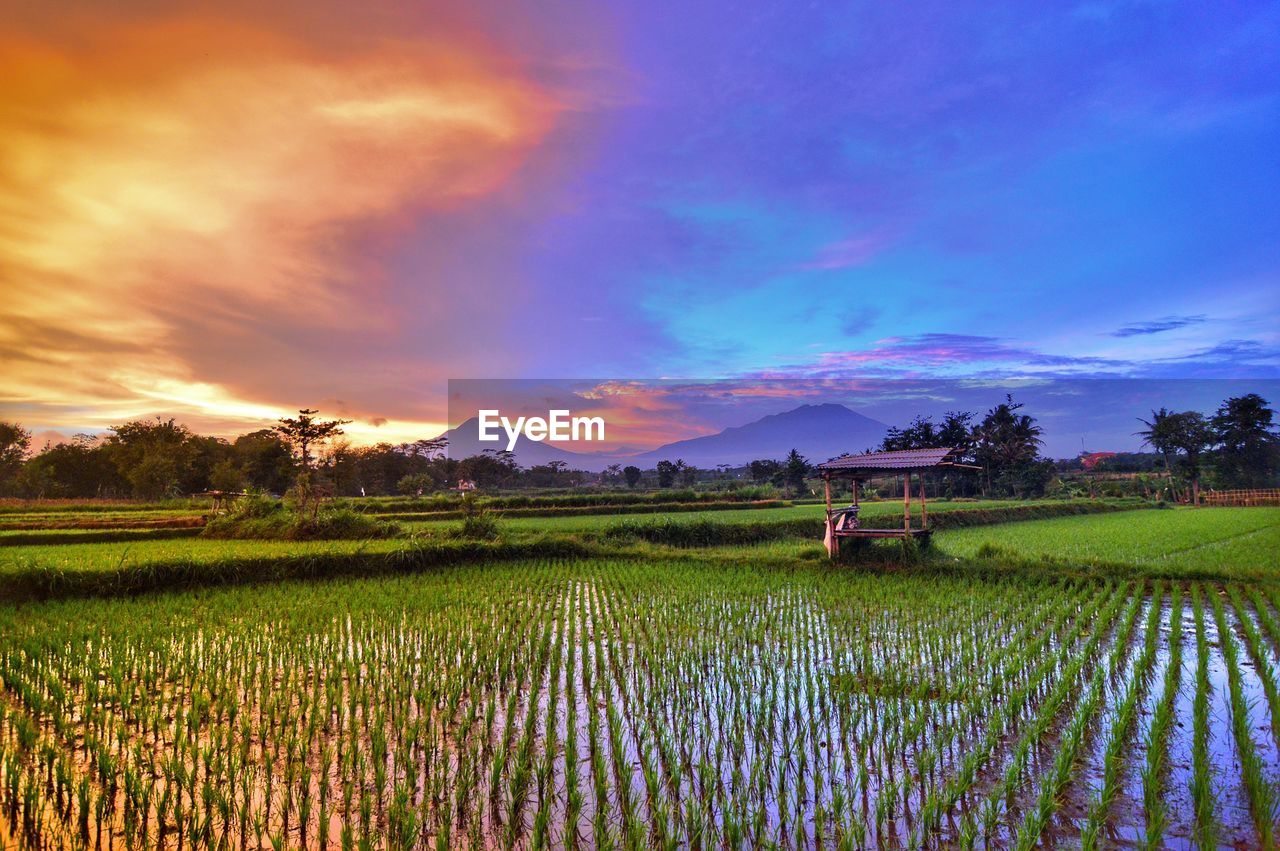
1073, 680
1241, 543
1217, 543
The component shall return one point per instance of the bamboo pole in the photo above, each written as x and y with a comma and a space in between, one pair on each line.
833, 543
906, 501
924, 509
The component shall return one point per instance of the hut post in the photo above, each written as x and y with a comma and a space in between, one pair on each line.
924, 508
832, 542
906, 501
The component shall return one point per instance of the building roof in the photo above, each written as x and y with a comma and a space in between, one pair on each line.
888, 462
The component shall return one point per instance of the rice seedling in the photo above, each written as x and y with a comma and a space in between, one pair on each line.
1201, 783
1153, 775
1121, 724
1262, 795
729, 697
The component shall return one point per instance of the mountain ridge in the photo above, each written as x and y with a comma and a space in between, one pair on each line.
818, 432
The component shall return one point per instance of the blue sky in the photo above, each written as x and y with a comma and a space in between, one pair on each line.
810, 181
412, 192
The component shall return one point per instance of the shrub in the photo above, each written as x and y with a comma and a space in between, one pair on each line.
342, 523
478, 524
262, 518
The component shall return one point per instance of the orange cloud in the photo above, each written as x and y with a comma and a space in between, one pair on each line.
203, 178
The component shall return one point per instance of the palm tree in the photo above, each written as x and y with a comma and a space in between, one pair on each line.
1007, 440
1159, 434
1182, 436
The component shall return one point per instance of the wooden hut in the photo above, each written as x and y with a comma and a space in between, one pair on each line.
843, 523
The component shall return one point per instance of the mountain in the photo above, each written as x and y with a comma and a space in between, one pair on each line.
464, 441
819, 432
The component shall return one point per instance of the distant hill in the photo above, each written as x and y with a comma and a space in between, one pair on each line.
819, 432
464, 441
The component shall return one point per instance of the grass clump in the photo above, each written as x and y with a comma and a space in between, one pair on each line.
259, 517
478, 522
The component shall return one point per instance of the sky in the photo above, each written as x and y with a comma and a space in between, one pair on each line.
222, 212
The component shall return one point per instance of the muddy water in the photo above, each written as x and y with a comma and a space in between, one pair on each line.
1180, 828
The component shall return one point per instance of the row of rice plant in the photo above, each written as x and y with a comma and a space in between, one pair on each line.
624, 704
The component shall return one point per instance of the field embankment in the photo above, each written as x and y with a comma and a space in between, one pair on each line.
705, 532
37, 580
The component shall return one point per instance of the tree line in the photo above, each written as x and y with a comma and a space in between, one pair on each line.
162, 458
1235, 447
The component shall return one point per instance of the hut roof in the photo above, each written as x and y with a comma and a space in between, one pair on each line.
889, 462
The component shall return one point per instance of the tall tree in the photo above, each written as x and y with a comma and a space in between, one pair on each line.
956, 431
1192, 437
796, 468
1007, 446
632, 474
1160, 434
157, 457
265, 460
1248, 446
15, 442
306, 432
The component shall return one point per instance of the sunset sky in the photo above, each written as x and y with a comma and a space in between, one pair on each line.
223, 212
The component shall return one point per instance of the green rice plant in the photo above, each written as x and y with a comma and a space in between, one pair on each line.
1262, 795
1201, 783
657, 699
1157, 745
1122, 723
1261, 656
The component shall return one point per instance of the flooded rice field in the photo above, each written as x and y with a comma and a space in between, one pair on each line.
639, 705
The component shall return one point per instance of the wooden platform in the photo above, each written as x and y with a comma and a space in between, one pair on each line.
859, 468
883, 533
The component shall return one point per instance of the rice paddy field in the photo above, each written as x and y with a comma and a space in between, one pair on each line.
658, 697
1243, 543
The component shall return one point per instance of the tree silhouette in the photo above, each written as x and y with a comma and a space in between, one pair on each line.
305, 432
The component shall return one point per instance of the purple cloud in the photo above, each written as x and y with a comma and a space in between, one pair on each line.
1168, 323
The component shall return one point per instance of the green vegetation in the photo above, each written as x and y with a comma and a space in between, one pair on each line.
680, 678
258, 517
804, 522
1188, 543
608, 702
1240, 545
